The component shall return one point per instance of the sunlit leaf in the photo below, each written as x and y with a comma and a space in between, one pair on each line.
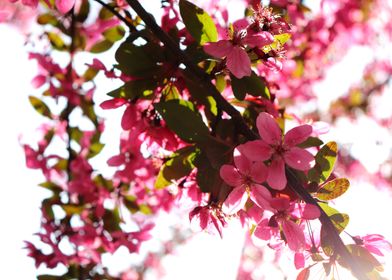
40, 106
199, 24
101, 46
181, 118
252, 85
325, 161
333, 189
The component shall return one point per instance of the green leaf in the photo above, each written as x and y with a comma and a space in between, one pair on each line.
207, 177
84, 11
325, 161
181, 117
311, 142
139, 88
111, 220
40, 106
279, 41
368, 263
333, 189
179, 165
340, 221
95, 149
114, 34
170, 92
138, 61
72, 209
199, 24
47, 19
101, 46
252, 85
56, 41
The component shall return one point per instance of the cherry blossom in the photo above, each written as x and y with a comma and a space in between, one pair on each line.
246, 178
280, 150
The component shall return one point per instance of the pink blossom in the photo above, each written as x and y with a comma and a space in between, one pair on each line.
207, 218
64, 6
374, 243
237, 59
245, 177
286, 215
280, 150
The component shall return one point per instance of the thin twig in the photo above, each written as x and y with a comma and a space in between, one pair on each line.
338, 244
192, 70
117, 14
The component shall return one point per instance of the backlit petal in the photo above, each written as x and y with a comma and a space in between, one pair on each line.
297, 135
299, 158
230, 175
256, 150
235, 201
218, 49
268, 129
238, 62
276, 175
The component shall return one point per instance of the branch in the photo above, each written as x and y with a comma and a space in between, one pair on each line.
70, 107
205, 82
117, 14
338, 244
195, 72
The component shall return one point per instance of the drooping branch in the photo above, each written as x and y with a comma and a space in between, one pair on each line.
333, 235
205, 82
195, 72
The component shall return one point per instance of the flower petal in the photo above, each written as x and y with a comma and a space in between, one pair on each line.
280, 204
299, 158
297, 135
294, 235
235, 201
238, 62
268, 129
259, 39
218, 49
242, 163
258, 172
261, 196
256, 150
276, 175
230, 175
64, 6
310, 212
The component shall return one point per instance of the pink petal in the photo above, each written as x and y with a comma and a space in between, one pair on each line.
129, 118
219, 49
297, 135
242, 162
276, 175
280, 204
261, 196
263, 231
299, 158
235, 201
116, 160
64, 6
310, 212
256, 150
230, 175
273, 64
294, 235
268, 129
113, 103
238, 62
299, 260
258, 172
255, 213
38, 81
259, 40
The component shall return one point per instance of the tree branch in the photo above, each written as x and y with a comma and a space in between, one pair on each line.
338, 244
195, 72
205, 82
117, 14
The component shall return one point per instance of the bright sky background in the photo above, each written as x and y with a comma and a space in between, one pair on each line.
206, 257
